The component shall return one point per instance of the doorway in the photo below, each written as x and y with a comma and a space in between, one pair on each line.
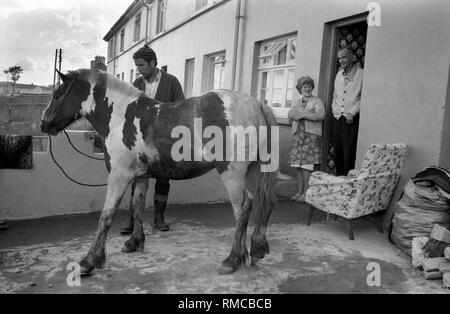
350, 32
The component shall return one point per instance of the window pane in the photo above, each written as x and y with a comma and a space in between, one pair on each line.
218, 76
277, 98
292, 49
278, 79
290, 78
281, 56
288, 103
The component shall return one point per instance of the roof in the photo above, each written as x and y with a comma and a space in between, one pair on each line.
130, 11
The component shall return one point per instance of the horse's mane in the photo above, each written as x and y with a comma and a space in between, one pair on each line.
96, 76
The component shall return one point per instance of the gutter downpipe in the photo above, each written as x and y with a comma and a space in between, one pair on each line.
237, 41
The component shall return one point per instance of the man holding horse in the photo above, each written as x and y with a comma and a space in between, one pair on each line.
164, 88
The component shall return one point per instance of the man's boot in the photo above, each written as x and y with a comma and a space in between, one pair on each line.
162, 188
128, 229
159, 222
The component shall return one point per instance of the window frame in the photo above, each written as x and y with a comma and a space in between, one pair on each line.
269, 50
161, 16
122, 40
212, 67
137, 27
189, 70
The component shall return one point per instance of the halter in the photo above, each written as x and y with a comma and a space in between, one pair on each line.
67, 92
51, 150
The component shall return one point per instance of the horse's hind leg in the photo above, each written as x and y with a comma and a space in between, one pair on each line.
137, 239
259, 245
117, 183
234, 181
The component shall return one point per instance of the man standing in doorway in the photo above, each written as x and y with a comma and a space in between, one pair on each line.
165, 88
346, 105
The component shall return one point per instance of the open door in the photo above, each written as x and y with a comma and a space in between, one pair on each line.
350, 32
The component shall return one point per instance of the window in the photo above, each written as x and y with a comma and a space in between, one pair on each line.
276, 73
111, 48
132, 76
189, 78
122, 39
216, 71
123, 76
200, 4
161, 20
137, 27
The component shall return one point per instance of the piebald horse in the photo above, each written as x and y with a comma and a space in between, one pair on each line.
137, 132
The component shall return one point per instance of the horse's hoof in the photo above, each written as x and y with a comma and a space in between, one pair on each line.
254, 260
226, 270
126, 231
162, 226
127, 250
130, 250
85, 269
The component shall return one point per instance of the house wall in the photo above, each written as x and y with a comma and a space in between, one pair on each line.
406, 69
405, 86
405, 83
44, 191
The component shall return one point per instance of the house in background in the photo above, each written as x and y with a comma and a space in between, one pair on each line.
98, 63
6, 88
261, 47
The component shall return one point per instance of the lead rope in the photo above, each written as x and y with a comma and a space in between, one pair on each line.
67, 176
70, 142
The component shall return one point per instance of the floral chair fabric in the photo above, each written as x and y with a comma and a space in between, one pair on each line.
361, 192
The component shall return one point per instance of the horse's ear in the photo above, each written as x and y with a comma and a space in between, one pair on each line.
63, 77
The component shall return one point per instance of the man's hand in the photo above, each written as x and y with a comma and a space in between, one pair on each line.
349, 117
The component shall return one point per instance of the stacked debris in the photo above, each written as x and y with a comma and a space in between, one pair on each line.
425, 202
432, 254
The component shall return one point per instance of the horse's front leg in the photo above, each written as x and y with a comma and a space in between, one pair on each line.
117, 184
137, 239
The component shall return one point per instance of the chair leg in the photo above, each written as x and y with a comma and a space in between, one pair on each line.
310, 214
348, 223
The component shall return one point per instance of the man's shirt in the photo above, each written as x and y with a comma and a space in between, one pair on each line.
347, 92
151, 88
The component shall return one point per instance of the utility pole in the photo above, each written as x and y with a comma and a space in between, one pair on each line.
54, 69
60, 61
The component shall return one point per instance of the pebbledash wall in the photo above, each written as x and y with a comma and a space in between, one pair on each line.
405, 95
44, 191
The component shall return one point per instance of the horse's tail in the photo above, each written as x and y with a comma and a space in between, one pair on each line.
265, 197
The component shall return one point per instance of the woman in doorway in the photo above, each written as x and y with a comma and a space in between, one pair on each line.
306, 116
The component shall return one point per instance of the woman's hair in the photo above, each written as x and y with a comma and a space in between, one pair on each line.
305, 80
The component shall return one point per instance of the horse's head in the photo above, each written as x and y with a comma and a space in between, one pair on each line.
65, 106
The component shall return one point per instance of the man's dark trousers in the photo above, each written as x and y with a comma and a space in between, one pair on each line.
345, 138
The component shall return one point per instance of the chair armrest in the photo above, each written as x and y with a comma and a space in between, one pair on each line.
352, 174
319, 177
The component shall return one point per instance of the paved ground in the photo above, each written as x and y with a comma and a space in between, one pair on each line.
315, 259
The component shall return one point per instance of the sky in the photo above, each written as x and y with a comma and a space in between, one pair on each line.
31, 31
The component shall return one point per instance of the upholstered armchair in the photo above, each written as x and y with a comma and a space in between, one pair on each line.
361, 193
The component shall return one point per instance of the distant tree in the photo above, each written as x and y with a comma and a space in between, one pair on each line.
14, 74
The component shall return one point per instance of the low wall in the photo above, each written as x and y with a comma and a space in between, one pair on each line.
44, 191
21, 115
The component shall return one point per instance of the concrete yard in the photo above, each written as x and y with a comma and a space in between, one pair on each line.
315, 259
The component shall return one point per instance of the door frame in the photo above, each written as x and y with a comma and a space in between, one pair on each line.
328, 73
